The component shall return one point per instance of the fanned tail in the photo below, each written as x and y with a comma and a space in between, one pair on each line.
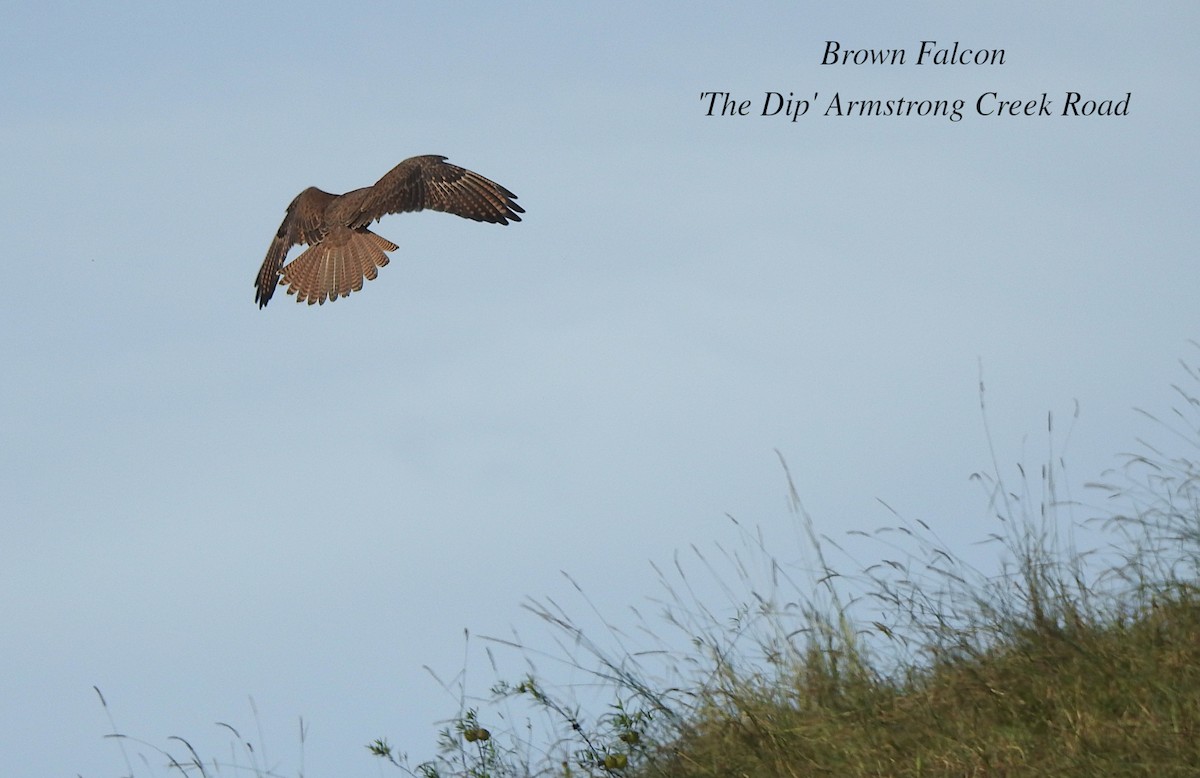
336, 266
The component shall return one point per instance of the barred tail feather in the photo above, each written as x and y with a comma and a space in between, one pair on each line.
336, 266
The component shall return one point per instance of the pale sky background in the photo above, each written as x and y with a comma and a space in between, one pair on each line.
205, 502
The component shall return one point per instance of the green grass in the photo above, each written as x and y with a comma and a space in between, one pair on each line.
1118, 697
1059, 663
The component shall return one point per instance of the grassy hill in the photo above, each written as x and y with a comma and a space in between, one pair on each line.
1059, 663
1064, 663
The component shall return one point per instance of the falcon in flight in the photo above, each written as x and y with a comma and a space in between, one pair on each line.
342, 251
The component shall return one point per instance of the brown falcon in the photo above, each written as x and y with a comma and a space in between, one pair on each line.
342, 251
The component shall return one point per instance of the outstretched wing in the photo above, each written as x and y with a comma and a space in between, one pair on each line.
304, 224
431, 182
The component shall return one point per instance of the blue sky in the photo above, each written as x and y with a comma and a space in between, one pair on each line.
205, 502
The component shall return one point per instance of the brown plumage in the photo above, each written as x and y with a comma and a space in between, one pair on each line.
342, 251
